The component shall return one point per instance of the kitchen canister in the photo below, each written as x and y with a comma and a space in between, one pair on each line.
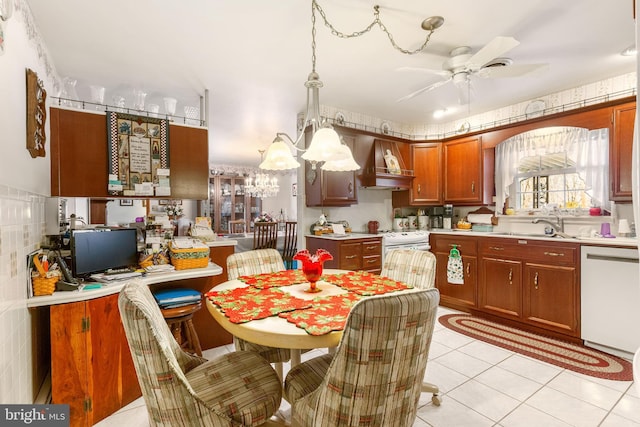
413, 222
398, 224
423, 222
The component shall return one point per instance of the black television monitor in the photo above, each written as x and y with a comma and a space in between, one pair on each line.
100, 249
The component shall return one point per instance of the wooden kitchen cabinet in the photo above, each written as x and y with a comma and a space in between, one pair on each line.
426, 187
551, 297
463, 171
621, 151
91, 366
531, 282
79, 157
330, 188
350, 254
504, 294
461, 297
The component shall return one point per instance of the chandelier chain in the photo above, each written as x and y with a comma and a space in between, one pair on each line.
376, 21
313, 37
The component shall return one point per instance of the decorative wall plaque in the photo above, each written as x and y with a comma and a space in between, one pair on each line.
36, 115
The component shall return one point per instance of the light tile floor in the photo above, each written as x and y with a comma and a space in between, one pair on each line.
484, 385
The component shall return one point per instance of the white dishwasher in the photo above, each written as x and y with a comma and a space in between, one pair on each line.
610, 299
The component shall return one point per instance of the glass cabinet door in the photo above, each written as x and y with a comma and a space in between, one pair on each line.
229, 202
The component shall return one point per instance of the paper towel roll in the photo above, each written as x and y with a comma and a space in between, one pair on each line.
623, 227
479, 218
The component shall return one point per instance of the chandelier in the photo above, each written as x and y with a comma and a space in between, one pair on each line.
326, 145
262, 185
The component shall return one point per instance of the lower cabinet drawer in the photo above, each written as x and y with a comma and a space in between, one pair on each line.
371, 262
350, 256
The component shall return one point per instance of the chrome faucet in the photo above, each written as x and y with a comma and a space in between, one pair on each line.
558, 225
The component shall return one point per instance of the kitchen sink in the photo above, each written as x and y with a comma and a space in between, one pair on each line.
559, 234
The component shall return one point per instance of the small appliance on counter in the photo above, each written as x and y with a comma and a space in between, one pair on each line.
436, 217
447, 218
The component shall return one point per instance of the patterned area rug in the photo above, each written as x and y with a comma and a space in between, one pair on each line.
574, 357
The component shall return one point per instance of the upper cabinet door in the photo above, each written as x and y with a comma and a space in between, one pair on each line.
463, 171
426, 160
621, 151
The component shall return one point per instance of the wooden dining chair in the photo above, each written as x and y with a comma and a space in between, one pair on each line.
265, 235
375, 376
237, 226
290, 243
416, 268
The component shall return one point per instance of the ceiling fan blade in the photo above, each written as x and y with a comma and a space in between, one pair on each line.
424, 89
491, 50
442, 73
511, 70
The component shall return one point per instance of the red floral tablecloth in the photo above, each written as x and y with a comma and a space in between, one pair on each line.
364, 283
318, 316
271, 280
326, 315
245, 304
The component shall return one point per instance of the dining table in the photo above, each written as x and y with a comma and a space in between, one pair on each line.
277, 310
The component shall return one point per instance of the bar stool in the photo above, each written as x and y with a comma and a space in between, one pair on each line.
179, 318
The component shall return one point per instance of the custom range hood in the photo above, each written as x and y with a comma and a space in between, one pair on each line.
385, 167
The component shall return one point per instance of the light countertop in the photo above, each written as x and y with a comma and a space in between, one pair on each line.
62, 297
598, 241
348, 236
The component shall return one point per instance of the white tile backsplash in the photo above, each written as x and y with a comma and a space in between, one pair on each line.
21, 232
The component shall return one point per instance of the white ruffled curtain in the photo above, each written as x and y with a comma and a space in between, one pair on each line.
588, 148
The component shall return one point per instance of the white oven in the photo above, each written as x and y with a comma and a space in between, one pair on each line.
418, 240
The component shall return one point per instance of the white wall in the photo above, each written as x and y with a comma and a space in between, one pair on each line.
23, 184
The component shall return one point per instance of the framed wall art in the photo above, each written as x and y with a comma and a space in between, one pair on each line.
138, 155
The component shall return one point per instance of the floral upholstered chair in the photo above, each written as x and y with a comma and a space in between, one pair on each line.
237, 388
376, 374
248, 263
416, 268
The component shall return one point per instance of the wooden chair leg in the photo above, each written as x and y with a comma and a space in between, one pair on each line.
192, 336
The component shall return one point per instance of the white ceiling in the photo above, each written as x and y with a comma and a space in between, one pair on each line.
254, 55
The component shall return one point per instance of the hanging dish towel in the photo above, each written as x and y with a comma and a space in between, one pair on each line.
455, 270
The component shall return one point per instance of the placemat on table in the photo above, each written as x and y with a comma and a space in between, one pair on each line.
272, 280
326, 315
364, 283
242, 305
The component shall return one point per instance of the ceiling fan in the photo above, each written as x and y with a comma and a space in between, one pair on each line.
486, 63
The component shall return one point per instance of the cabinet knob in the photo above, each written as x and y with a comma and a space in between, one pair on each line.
350, 188
511, 276
535, 281
473, 187
419, 187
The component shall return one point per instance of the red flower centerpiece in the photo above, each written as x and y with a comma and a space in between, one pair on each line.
312, 266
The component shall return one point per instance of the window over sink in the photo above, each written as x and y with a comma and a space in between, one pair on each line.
566, 167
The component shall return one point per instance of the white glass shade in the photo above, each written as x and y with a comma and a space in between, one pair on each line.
344, 163
279, 157
325, 146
